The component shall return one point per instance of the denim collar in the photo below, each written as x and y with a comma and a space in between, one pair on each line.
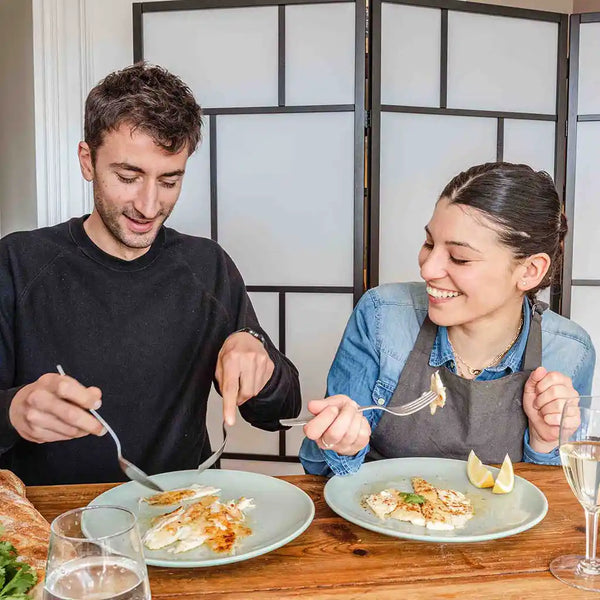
442, 355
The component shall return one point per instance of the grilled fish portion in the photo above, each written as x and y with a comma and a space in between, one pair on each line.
438, 387
172, 497
429, 506
218, 525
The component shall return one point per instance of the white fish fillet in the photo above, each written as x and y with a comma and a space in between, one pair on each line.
441, 509
208, 521
178, 496
438, 387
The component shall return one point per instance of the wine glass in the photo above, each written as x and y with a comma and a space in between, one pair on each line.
95, 553
580, 458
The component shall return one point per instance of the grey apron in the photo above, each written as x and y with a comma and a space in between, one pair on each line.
486, 416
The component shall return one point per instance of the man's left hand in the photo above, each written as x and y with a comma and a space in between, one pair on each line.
243, 369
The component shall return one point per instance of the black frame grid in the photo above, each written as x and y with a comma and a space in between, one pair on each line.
574, 118
376, 108
358, 107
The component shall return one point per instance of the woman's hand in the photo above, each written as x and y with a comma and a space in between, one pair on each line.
338, 425
544, 397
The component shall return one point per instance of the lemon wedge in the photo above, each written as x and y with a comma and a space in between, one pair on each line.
505, 482
478, 475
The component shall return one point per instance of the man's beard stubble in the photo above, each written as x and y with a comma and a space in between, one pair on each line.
110, 218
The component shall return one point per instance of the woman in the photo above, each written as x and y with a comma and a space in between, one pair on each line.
494, 240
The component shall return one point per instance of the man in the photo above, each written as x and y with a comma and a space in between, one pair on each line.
141, 317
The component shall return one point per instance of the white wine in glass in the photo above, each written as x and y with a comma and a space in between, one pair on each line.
580, 458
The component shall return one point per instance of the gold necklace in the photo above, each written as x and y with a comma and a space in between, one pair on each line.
495, 360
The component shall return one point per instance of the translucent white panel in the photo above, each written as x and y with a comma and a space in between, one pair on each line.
501, 63
410, 55
589, 69
319, 54
228, 57
214, 418
243, 437
192, 212
544, 295
266, 306
530, 143
419, 156
584, 310
285, 196
275, 469
586, 253
315, 324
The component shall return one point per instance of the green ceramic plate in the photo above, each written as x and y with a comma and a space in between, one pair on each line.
282, 513
496, 515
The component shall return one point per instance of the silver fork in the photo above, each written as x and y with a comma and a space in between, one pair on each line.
133, 472
213, 458
402, 411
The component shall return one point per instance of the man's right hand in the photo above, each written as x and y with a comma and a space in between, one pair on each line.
54, 408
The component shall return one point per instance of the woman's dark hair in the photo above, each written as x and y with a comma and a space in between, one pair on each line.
523, 204
148, 98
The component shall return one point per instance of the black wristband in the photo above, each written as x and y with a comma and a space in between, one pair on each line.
259, 336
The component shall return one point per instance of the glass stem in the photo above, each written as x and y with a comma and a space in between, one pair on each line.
591, 534
590, 566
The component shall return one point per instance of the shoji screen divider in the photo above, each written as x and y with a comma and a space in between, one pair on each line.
581, 283
279, 178
293, 117
454, 84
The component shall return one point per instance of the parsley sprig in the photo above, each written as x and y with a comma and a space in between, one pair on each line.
410, 498
16, 578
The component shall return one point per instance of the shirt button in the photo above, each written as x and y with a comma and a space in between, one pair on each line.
380, 401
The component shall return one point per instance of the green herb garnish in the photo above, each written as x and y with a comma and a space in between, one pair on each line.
16, 578
411, 498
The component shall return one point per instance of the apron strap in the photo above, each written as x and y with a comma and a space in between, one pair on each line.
533, 351
426, 337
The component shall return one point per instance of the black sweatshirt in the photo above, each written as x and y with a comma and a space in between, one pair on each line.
147, 332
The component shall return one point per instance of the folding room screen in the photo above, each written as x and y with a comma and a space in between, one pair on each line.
330, 129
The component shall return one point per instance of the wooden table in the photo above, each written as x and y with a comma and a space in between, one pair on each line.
334, 559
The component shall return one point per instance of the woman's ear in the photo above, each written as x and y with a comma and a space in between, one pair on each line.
532, 271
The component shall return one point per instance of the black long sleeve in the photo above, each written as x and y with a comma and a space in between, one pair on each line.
146, 332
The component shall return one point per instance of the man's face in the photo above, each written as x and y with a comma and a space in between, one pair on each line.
136, 185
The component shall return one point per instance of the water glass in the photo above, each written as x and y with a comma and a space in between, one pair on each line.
95, 553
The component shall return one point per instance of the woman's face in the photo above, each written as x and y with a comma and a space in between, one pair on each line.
470, 275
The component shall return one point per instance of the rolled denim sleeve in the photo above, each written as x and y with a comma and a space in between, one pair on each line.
539, 458
354, 372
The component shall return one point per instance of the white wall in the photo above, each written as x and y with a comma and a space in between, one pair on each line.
18, 206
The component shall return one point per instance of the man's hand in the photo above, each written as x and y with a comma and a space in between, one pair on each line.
243, 369
544, 397
338, 425
54, 408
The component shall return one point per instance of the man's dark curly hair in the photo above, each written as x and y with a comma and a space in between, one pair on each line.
146, 97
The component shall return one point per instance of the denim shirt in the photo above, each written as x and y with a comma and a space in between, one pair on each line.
381, 334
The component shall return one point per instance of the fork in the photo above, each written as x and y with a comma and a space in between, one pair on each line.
402, 411
213, 458
134, 473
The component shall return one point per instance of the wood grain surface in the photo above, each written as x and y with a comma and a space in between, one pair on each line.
334, 559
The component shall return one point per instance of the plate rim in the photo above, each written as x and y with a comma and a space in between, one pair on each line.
435, 538
229, 558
